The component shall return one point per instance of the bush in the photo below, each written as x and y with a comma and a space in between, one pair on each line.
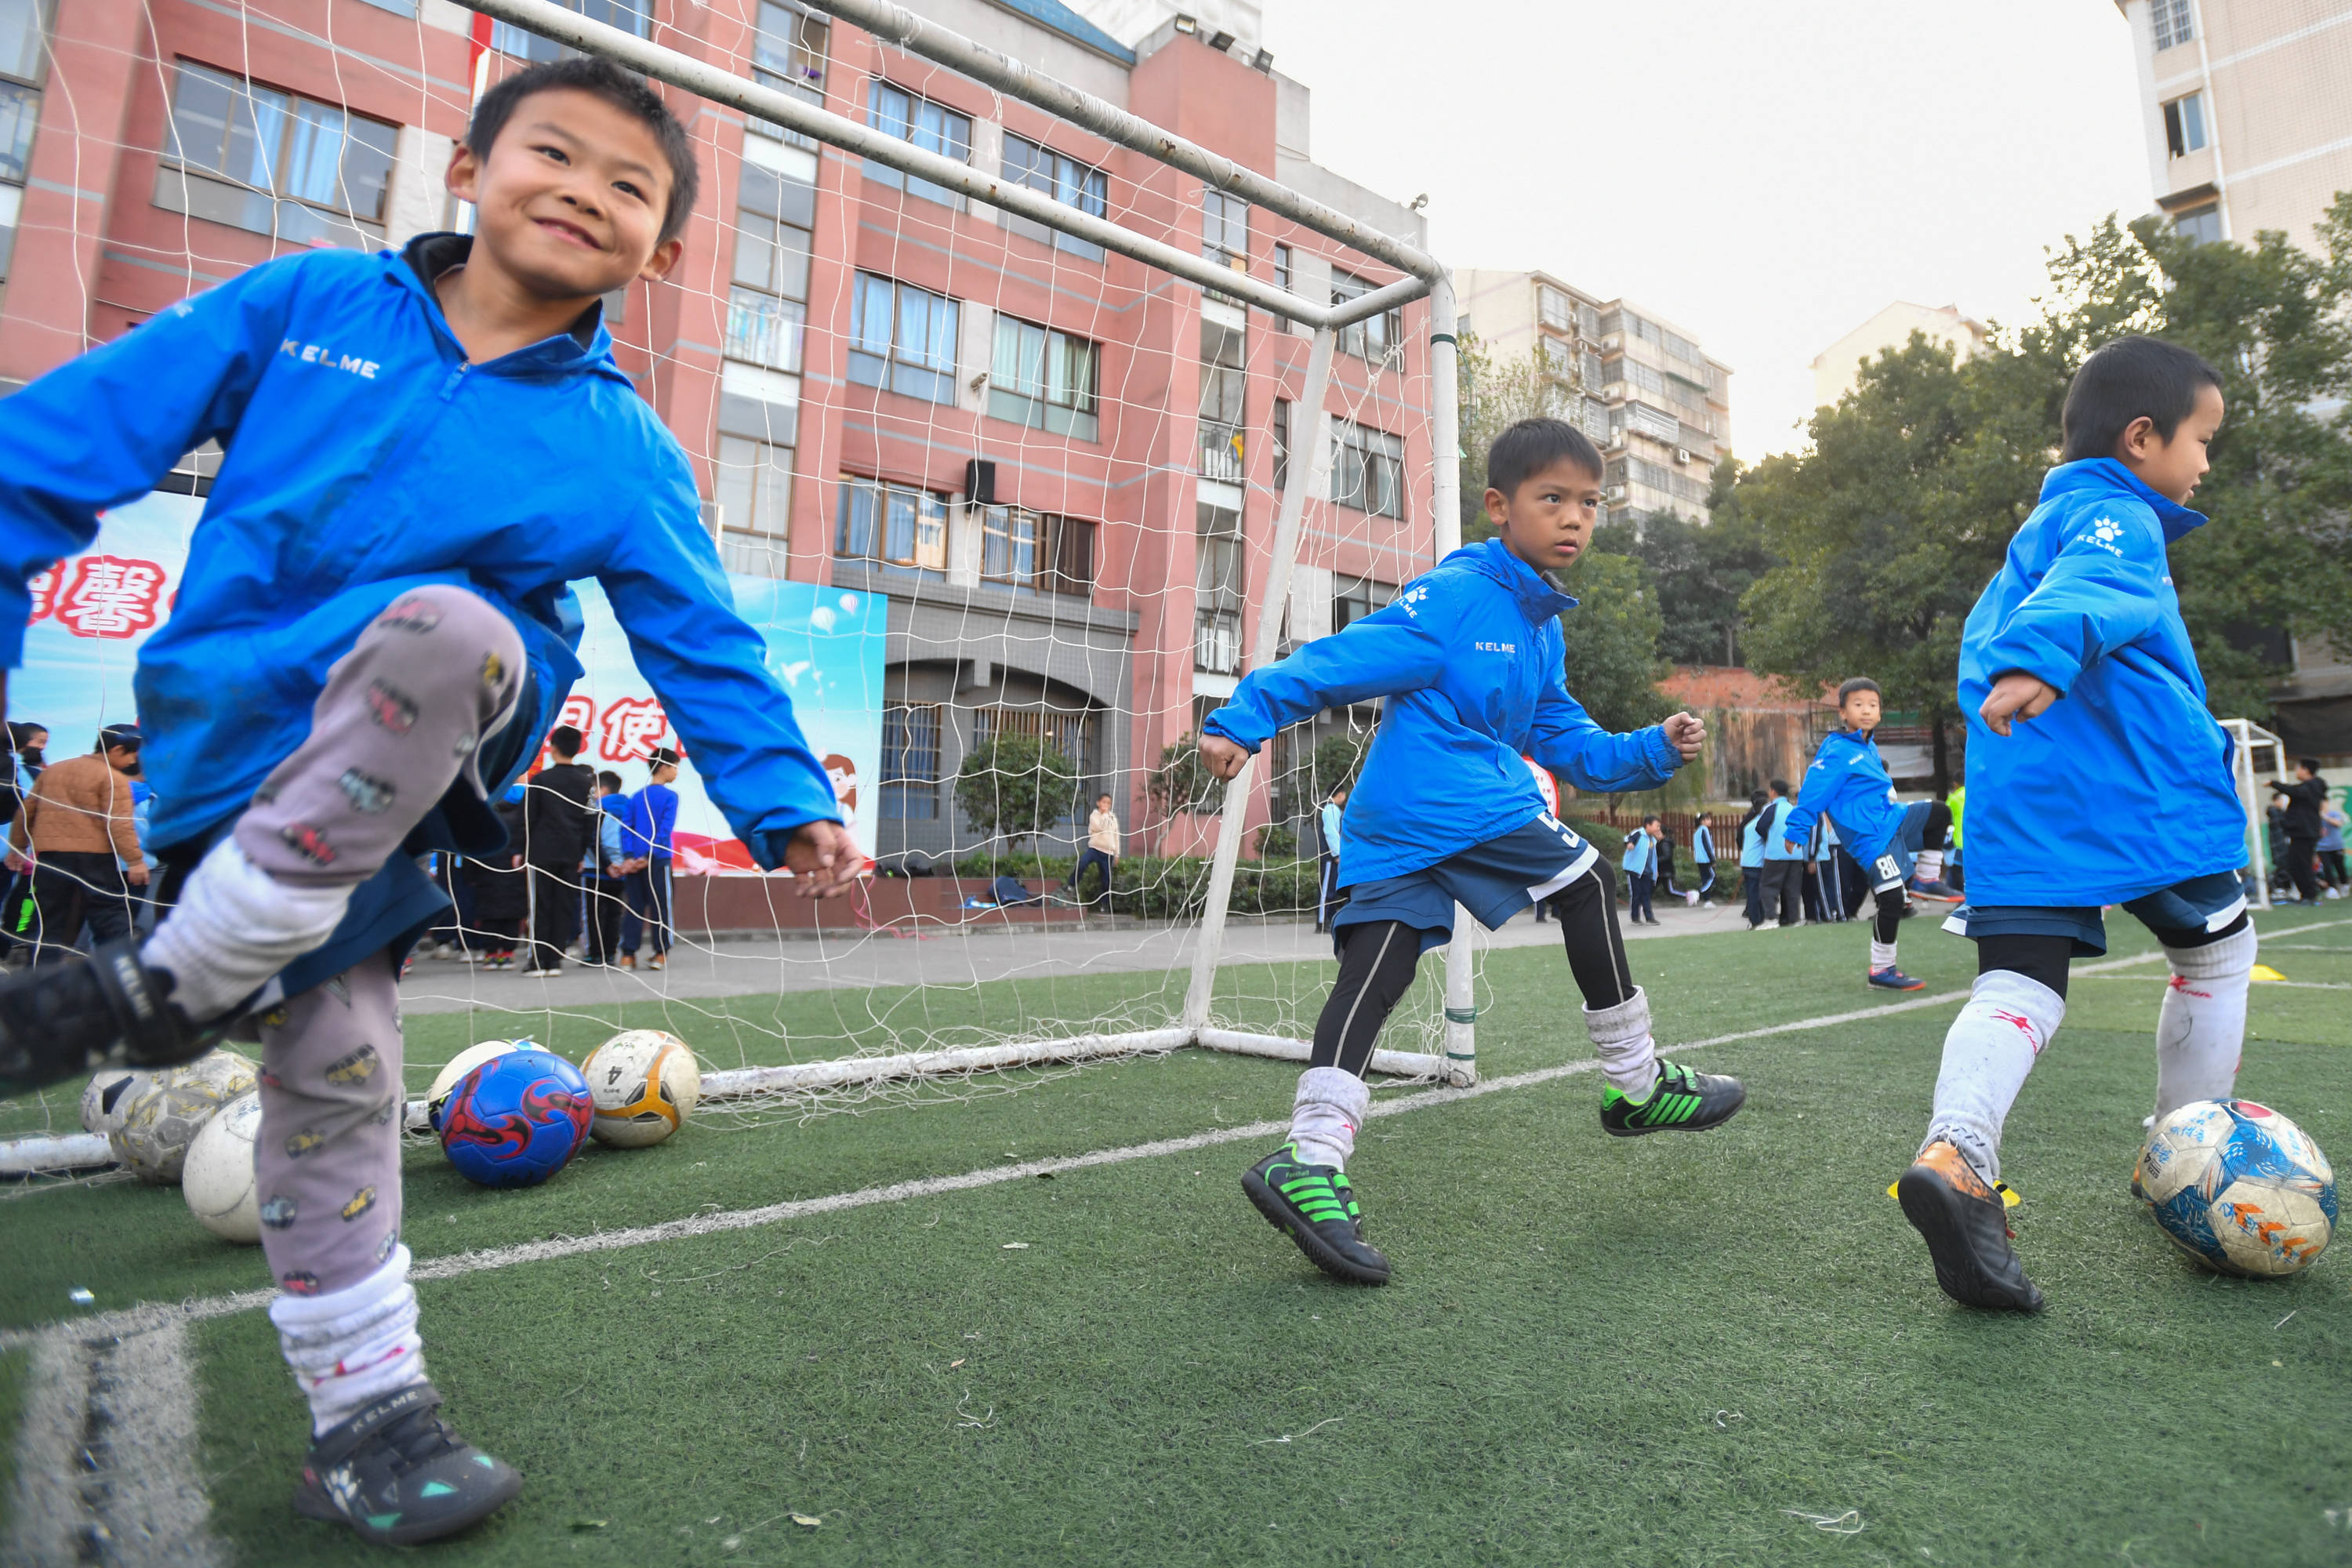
1016, 786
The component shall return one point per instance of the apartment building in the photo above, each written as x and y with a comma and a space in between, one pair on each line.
1836, 367
1641, 388
2246, 106
1060, 468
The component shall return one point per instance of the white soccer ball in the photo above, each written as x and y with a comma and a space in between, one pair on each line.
162, 1116
461, 1064
645, 1083
2239, 1187
108, 1096
218, 1180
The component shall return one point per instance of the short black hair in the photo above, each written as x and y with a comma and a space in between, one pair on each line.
1651, 818
2310, 763
625, 91
609, 782
1859, 683
126, 736
1779, 786
1531, 445
566, 739
2132, 378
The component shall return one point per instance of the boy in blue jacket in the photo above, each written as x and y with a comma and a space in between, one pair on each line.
1469, 658
372, 633
1901, 846
2081, 636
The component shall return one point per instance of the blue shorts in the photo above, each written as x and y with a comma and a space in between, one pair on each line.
2208, 903
1493, 881
1891, 868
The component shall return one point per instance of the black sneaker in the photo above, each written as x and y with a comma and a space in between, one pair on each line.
1967, 1231
67, 1020
398, 1475
1680, 1101
1315, 1204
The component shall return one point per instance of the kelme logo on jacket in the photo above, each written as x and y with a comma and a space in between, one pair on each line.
321, 354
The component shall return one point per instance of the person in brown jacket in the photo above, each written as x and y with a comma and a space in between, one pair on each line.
77, 824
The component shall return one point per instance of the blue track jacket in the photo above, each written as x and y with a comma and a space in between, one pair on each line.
1849, 782
652, 817
2124, 786
1469, 657
366, 457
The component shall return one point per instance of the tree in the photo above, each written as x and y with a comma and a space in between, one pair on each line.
1497, 394
1182, 782
1612, 642
1016, 786
1699, 570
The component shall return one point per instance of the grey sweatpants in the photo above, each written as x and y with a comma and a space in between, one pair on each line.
401, 714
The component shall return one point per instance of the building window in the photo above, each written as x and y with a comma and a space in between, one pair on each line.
1037, 550
2176, 22
1556, 308
1281, 445
1355, 597
1072, 735
903, 338
753, 489
1281, 267
933, 127
272, 162
1224, 229
788, 53
1044, 378
1223, 383
629, 16
1217, 590
2200, 226
898, 525
910, 761
766, 312
2184, 125
1375, 338
1369, 474
1067, 181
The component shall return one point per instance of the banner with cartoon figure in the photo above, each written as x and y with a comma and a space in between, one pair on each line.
90, 614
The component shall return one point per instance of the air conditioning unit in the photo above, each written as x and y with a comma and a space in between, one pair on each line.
1682, 455
1616, 492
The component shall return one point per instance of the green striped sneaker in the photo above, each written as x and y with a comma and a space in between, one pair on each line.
1318, 1207
1680, 1101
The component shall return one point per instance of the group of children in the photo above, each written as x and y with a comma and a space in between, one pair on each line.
357, 669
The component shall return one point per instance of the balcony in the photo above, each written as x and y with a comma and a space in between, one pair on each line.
1220, 453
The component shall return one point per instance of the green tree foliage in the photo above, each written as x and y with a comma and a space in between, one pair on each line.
1182, 782
1700, 571
1016, 786
1613, 667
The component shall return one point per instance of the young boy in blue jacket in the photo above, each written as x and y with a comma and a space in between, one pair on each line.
1469, 658
371, 635
2080, 637
1901, 846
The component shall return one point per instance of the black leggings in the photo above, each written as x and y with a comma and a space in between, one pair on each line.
1891, 901
1378, 957
2045, 958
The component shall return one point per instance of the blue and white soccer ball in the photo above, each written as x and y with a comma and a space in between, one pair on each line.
2239, 1187
515, 1119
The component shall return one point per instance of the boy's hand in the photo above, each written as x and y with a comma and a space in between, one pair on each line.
2016, 694
1685, 734
824, 859
1224, 758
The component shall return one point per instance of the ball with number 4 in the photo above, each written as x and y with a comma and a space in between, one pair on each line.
645, 1083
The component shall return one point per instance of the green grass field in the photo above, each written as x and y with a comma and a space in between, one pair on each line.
1670, 1351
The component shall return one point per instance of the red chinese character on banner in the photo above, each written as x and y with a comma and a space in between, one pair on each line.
43, 587
631, 728
110, 596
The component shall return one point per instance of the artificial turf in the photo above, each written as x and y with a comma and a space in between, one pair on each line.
1659, 1352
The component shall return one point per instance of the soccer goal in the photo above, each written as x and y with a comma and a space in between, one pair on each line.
2256, 756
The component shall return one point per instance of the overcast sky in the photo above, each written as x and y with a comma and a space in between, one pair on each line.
1768, 175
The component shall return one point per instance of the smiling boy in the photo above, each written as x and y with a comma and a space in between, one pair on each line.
372, 633
2087, 709
1469, 658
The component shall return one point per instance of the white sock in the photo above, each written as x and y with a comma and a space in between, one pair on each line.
2202, 1025
234, 928
1882, 955
1622, 1037
1929, 866
1987, 1051
1324, 1117
354, 1346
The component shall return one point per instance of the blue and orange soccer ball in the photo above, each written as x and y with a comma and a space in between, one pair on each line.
2239, 1187
515, 1119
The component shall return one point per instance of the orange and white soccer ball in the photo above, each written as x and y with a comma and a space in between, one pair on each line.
646, 1083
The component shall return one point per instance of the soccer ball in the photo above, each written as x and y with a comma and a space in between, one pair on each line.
645, 1083
515, 1119
109, 1094
218, 1181
459, 1066
161, 1118
2239, 1187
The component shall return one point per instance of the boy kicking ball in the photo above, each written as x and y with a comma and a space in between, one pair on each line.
2087, 709
1901, 846
1469, 658
371, 636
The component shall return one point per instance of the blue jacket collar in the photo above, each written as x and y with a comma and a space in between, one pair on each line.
587, 346
1540, 594
2106, 474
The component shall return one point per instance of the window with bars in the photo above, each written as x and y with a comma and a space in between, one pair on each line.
753, 486
1039, 550
903, 339
910, 761
1044, 378
273, 162
2176, 22
1070, 733
629, 16
898, 525
1217, 590
788, 52
934, 126
1223, 387
1368, 470
1375, 337
765, 306
1555, 307
1063, 178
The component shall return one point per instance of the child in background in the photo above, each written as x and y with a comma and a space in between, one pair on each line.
607, 883
502, 889
2331, 849
1703, 860
1640, 864
1752, 859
